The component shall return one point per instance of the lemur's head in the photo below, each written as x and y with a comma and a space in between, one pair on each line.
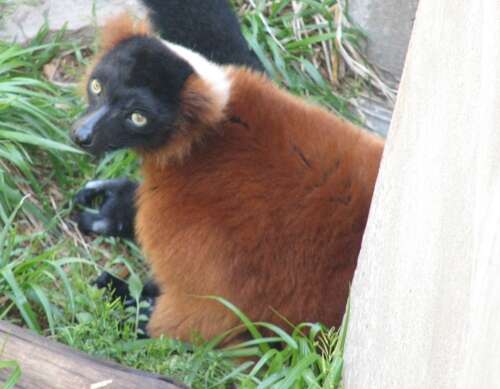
143, 92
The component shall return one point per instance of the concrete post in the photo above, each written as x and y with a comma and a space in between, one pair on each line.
425, 302
23, 21
388, 25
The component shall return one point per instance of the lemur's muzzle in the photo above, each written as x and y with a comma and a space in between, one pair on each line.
83, 130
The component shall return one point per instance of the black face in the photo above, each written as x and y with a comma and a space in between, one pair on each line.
133, 96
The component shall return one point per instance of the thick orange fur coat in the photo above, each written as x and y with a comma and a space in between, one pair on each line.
263, 203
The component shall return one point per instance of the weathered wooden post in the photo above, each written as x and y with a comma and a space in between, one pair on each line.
425, 304
48, 364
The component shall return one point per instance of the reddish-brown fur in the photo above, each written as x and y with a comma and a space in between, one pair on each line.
265, 206
198, 118
116, 30
122, 27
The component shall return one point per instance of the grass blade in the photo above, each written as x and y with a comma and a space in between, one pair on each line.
14, 376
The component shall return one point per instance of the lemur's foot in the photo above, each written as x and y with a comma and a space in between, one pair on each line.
120, 289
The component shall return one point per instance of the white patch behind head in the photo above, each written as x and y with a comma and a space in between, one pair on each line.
213, 74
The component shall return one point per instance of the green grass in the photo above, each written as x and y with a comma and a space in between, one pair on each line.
296, 46
46, 266
29, 111
14, 373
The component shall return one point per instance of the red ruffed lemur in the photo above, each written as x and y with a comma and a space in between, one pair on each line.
248, 193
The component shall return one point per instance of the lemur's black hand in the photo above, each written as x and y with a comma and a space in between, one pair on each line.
116, 213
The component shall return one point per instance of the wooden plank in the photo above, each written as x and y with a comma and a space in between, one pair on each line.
425, 300
51, 365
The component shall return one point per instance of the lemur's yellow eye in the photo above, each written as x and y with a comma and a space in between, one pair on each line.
138, 119
95, 87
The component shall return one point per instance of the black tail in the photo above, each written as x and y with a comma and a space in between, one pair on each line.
208, 27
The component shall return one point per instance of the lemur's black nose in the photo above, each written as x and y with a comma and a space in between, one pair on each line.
83, 130
82, 136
